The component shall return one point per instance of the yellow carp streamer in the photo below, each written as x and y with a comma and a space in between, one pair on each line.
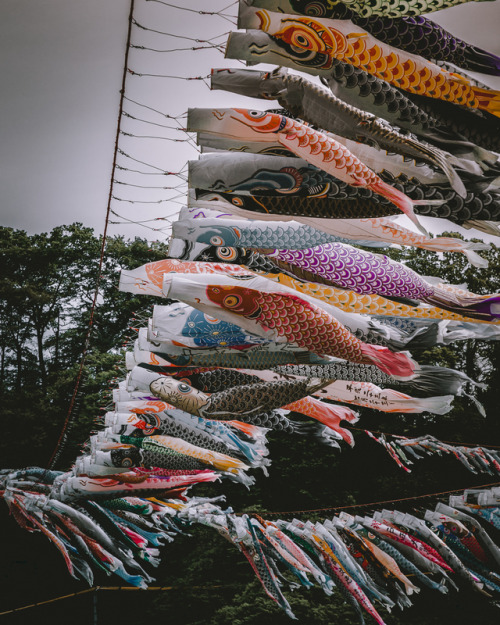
341, 39
213, 458
371, 304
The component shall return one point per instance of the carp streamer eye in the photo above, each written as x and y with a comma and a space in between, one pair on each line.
215, 240
184, 388
127, 462
227, 253
301, 40
231, 301
237, 201
257, 114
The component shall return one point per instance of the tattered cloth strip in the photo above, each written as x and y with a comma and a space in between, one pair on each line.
283, 314
316, 105
405, 451
315, 147
343, 40
364, 272
323, 8
383, 557
417, 35
367, 92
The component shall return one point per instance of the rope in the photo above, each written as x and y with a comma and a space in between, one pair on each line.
153, 109
96, 588
220, 13
134, 73
161, 32
62, 437
372, 504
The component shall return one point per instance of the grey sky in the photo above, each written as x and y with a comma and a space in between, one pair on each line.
60, 70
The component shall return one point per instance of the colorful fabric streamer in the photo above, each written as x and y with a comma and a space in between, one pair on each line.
305, 323
343, 40
406, 450
317, 106
365, 91
365, 272
417, 35
315, 147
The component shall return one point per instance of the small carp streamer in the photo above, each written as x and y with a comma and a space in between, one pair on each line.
405, 451
442, 549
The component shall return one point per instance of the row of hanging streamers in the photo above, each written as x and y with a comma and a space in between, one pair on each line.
277, 309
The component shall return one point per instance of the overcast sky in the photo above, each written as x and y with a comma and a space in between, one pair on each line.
60, 70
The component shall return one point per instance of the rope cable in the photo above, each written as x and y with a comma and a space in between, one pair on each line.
62, 437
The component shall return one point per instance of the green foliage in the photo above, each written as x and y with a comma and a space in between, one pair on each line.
47, 284
46, 290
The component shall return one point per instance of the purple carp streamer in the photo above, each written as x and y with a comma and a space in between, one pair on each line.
417, 35
364, 272
364, 8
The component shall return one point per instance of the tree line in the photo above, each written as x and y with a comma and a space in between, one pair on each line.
46, 289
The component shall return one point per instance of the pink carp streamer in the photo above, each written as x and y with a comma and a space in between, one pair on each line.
313, 146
